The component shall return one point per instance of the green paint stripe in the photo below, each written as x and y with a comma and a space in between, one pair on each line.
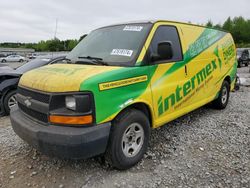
108, 102
190, 54
225, 74
217, 95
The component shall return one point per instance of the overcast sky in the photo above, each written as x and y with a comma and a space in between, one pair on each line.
35, 20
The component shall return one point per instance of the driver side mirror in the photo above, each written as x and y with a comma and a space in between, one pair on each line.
164, 51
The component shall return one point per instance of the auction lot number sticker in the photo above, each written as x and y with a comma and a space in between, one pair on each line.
122, 52
132, 28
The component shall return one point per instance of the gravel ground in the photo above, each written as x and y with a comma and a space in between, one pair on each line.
245, 76
206, 148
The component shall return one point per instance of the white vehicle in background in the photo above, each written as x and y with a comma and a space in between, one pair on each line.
32, 56
12, 58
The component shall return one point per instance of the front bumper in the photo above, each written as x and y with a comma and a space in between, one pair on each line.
63, 142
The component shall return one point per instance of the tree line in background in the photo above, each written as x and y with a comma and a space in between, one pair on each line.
238, 27
52, 45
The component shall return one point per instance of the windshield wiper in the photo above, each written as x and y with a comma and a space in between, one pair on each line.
68, 60
95, 60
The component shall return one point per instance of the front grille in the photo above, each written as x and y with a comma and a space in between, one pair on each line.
34, 114
34, 95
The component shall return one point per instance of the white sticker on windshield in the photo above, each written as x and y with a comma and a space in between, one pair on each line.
132, 28
122, 52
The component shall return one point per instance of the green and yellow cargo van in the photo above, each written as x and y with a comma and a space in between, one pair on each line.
120, 82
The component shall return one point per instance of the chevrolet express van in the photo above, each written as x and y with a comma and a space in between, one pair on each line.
120, 82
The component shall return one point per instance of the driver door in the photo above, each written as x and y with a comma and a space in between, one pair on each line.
169, 77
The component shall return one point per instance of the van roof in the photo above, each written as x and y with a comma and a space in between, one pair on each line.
155, 21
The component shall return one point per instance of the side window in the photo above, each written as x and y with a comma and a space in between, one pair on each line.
168, 33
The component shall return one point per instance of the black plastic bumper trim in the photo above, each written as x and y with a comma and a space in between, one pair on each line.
59, 141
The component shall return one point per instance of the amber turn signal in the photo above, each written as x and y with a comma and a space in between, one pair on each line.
71, 120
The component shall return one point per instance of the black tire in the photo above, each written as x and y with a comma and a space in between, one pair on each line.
222, 100
237, 83
8, 97
4, 61
21, 60
115, 154
240, 64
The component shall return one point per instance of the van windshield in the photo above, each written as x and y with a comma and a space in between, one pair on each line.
117, 45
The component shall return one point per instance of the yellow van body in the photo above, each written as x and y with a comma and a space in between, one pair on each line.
166, 89
207, 65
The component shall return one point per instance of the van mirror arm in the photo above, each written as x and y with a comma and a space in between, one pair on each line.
154, 57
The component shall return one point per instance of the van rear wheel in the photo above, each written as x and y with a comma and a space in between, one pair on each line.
222, 100
128, 140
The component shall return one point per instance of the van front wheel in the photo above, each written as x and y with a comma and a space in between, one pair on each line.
128, 140
222, 100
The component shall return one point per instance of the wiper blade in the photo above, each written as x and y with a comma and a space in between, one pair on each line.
86, 62
90, 57
95, 60
68, 60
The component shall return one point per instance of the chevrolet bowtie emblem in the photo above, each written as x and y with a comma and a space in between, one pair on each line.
28, 102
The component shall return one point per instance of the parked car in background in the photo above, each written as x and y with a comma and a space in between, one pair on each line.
9, 79
243, 57
32, 56
12, 58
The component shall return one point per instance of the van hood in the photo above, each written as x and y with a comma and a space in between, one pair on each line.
61, 77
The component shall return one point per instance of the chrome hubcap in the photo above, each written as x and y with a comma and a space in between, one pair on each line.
12, 101
224, 95
132, 140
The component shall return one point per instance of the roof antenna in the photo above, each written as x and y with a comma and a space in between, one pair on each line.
56, 30
55, 35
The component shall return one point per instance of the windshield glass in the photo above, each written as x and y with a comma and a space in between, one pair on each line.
32, 64
116, 45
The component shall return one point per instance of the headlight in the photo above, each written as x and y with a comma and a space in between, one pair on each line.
74, 109
70, 102
78, 103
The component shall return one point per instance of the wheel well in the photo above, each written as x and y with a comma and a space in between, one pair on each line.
143, 108
228, 79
